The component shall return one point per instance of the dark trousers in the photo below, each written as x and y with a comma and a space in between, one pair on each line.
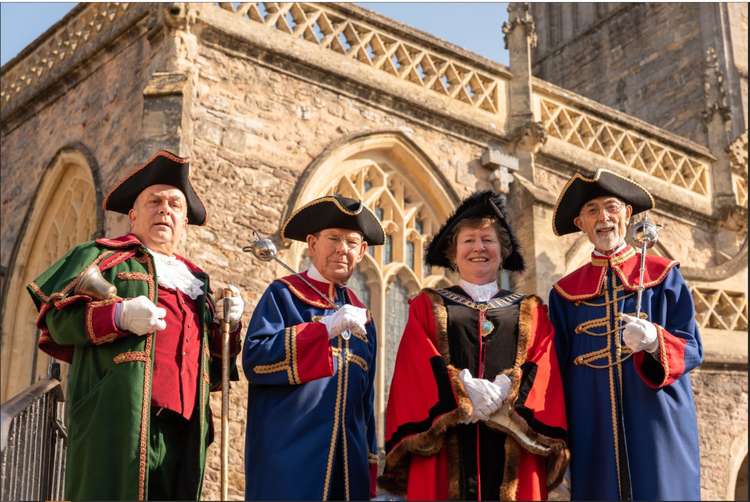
166, 452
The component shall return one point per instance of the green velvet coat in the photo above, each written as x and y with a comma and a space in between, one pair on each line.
109, 382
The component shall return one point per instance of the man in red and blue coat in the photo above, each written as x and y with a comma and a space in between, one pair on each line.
310, 359
143, 345
631, 418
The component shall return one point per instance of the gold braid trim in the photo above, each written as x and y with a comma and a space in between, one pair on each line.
585, 296
335, 429
109, 337
649, 284
344, 443
509, 486
129, 357
288, 364
301, 296
359, 361
132, 276
146, 404
663, 356
59, 295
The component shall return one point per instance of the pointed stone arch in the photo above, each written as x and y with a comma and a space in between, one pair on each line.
738, 472
403, 186
66, 210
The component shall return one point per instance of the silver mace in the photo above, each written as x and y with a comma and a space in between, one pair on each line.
265, 250
643, 234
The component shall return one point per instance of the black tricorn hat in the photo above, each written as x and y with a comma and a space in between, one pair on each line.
164, 168
333, 211
580, 189
486, 204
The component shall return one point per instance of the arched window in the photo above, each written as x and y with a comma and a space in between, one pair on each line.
401, 186
64, 213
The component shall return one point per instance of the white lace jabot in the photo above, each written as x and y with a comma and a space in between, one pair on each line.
174, 274
479, 292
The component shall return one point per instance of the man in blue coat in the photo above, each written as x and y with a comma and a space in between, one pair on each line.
631, 416
311, 367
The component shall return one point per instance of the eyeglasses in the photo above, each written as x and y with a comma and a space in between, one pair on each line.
611, 207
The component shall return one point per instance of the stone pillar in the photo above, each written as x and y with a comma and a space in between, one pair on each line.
717, 117
519, 35
168, 96
526, 137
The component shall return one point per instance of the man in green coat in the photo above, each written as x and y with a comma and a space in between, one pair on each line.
143, 354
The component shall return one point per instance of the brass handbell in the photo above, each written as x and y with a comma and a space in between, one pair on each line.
92, 283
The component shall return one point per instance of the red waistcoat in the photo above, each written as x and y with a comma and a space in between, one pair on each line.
177, 354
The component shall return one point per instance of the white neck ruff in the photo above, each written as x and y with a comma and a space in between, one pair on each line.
615, 250
479, 292
174, 274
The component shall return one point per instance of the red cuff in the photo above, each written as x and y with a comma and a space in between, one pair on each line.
312, 357
100, 321
664, 366
373, 479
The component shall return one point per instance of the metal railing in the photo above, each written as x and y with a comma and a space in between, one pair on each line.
33, 444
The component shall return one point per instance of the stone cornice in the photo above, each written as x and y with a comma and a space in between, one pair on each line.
68, 44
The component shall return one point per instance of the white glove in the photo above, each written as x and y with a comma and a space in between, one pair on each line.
639, 334
503, 383
486, 397
236, 306
347, 317
139, 315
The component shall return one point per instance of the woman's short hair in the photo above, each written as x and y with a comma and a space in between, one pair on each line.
479, 224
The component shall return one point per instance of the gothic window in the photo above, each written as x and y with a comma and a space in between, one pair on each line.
64, 214
358, 283
399, 187
397, 311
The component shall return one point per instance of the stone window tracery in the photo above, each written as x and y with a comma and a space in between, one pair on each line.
64, 214
387, 180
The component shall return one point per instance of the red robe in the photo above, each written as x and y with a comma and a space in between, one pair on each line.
427, 400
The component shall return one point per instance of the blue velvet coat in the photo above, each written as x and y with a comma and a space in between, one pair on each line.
310, 421
631, 417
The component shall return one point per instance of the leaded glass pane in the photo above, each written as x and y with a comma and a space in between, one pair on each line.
388, 249
358, 283
410, 254
379, 213
396, 313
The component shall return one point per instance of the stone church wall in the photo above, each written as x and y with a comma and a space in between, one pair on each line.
257, 130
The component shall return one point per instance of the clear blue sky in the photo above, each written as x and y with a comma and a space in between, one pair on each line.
475, 26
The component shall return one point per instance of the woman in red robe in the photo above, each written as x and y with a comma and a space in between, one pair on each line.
476, 410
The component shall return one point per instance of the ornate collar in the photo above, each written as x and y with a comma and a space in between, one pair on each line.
506, 299
588, 281
306, 294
